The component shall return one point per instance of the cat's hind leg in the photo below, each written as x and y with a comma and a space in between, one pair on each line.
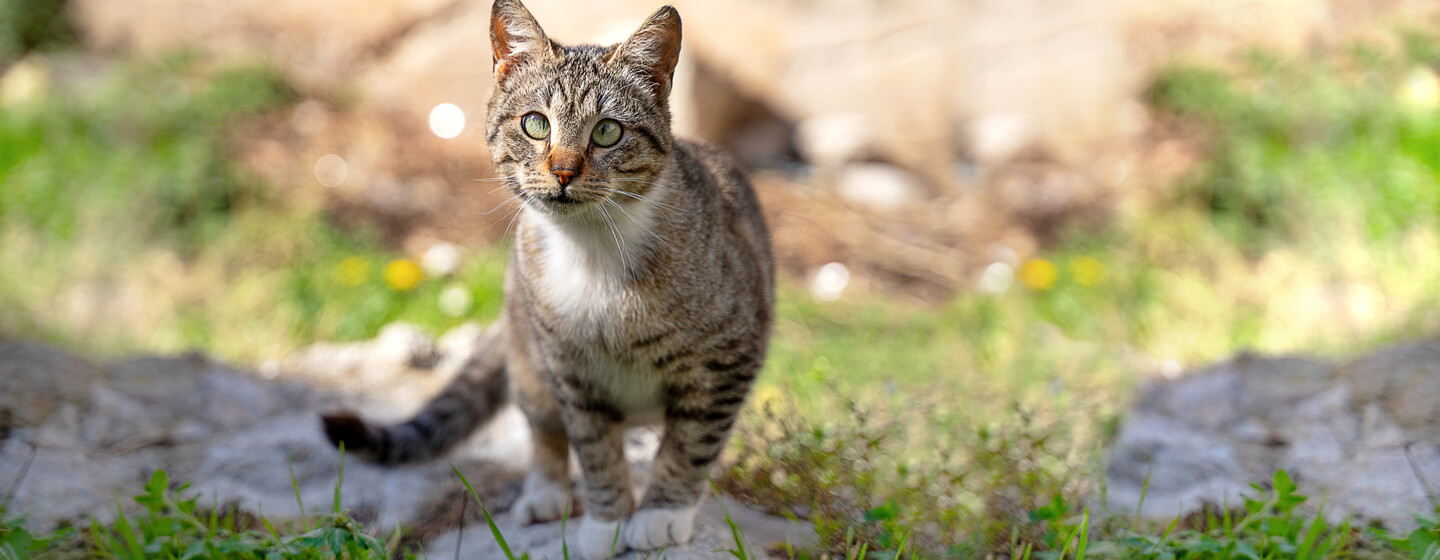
546, 494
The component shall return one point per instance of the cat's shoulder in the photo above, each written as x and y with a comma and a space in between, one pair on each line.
728, 175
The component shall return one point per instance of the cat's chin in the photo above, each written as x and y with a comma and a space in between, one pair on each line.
558, 208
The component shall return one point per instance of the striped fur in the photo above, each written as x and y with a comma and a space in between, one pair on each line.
640, 289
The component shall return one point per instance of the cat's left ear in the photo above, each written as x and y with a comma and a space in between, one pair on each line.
515, 37
654, 48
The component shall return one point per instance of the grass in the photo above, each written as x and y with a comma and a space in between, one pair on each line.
126, 196
970, 428
170, 523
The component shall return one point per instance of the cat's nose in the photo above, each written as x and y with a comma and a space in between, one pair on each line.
565, 165
563, 174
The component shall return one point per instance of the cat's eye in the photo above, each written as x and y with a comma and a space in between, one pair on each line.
535, 125
606, 133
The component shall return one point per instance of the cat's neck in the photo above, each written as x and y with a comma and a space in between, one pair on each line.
609, 239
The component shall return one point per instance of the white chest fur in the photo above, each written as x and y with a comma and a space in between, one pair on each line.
587, 263
586, 266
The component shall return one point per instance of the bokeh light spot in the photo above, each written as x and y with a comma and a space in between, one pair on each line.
830, 281
1038, 274
455, 300
1420, 90
441, 259
447, 120
331, 170
997, 278
402, 275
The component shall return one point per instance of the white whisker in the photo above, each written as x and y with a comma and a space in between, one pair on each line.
518, 209
648, 232
512, 198
615, 232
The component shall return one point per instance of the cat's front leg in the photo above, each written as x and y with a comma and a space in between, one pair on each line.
596, 430
697, 425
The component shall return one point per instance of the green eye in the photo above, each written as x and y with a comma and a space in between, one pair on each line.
606, 133
535, 125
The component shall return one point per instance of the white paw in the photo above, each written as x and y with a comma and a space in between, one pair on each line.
541, 500
599, 540
650, 529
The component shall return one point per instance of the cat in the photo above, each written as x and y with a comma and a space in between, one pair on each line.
640, 288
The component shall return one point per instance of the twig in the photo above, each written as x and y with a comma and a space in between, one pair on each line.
1415, 468
24, 470
460, 536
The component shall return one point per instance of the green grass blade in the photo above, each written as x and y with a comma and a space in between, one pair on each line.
1317, 526
1144, 490
127, 535
499, 538
1070, 541
615, 541
295, 485
564, 540
903, 541
340, 478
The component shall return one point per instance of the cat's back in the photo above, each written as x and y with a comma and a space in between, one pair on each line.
739, 206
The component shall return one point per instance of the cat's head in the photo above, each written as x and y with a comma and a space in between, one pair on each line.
570, 127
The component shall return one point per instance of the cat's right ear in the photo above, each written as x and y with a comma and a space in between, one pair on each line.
515, 37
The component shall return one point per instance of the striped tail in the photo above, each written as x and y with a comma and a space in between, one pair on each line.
471, 399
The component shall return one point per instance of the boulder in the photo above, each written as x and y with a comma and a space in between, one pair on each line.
1361, 437
78, 438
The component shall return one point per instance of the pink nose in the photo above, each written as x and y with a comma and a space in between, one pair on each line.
564, 174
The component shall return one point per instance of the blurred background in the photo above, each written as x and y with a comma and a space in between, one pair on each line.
1004, 213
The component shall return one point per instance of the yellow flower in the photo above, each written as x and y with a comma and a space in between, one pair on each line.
402, 275
353, 271
766, 395
1087, 271
1038, 274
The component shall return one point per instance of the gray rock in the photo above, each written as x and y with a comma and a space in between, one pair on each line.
1343, 433
81, 438
713, 537
879, 187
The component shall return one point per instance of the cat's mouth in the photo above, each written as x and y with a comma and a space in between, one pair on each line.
563, 198
563, 201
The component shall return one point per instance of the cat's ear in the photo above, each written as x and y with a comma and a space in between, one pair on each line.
654, 48
515, 37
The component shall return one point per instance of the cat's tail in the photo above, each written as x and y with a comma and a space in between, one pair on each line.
471, 399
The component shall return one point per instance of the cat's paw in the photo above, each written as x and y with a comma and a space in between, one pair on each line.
541, 500
599, 540
650, 529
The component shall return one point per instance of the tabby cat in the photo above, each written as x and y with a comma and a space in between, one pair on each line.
640, 288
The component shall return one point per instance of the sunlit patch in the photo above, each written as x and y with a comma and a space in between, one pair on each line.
26, 81
1170, 369
447, 120
1087, 271
830, 282
1420, 90
402, 275
441, 259
331, 170
997, 278
455, 300
1039, 274
353, 271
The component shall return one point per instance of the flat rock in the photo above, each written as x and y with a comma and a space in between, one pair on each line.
83, 437
1348, 435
